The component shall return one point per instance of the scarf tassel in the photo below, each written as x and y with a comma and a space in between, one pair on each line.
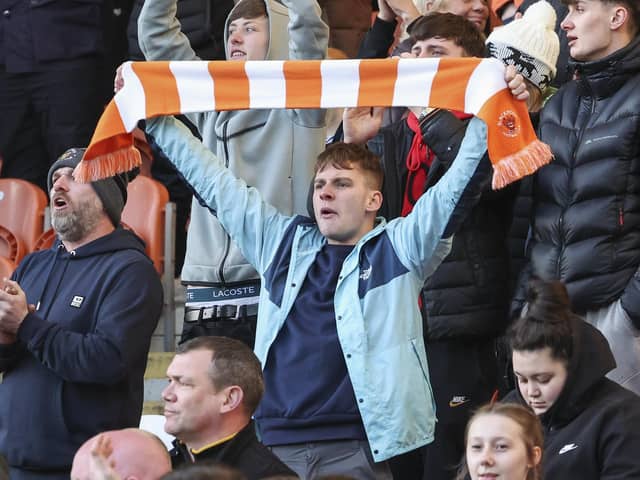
108, 164
520, 164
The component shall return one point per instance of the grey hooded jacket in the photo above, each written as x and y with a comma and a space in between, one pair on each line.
272, 150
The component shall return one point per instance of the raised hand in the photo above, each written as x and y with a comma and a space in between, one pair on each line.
101, 467
361, 123
405, 9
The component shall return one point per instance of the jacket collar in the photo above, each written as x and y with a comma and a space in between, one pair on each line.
602, 78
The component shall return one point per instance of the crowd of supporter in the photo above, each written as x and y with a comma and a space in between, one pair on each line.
361, 303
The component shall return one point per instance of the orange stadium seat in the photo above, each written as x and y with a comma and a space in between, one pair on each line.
22, 206
11, 247
45, 240
144, 213
6, 267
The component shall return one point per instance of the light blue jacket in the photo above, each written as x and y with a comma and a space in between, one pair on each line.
378, 321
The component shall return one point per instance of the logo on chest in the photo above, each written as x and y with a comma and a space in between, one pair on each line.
365, 273
76, 301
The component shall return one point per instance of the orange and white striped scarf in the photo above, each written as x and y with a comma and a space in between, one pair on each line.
471, 85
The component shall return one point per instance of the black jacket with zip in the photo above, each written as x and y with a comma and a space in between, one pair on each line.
592, 431
468, 295
586, 211
243, 452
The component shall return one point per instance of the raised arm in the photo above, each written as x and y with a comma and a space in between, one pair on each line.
308, 40
308, 34
255, 226
159, 34
422, 236
380, 37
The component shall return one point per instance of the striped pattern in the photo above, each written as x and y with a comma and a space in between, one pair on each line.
471, 85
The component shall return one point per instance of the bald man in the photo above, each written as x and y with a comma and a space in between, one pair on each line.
135, 455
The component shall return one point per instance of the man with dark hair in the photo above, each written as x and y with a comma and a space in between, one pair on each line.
75, 327
337, 323
215, 385
449, 29
465, 302
585, 226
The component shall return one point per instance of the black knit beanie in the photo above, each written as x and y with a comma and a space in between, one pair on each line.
111, 191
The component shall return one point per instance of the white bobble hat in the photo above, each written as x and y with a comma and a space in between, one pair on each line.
530, 43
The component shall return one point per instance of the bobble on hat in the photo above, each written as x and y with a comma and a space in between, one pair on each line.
529, 43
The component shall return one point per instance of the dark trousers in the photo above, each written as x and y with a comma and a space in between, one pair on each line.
45, 113
464, 375
243, 329
20, 474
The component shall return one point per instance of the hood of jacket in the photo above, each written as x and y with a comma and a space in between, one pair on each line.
592, 359
278, 31
119, 239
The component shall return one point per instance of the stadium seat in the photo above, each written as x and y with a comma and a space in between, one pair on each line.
6, 267
11, 247
22, 206
45, 240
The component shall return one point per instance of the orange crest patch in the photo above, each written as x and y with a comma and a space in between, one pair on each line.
509, 123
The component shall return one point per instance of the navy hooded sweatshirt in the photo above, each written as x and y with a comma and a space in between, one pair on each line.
77, 368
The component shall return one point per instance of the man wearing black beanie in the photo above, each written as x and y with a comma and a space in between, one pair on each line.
75, 327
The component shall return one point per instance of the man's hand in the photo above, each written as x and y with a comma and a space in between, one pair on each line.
405, 9
385, 12
101, 467
516, 83
360, 124
118, 82
13, 310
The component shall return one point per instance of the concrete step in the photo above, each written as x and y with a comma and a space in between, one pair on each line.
155, 379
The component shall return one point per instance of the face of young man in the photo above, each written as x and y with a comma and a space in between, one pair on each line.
248, 39
192, 407
76, 209
344, 204
540, 377
437, 47
589, 29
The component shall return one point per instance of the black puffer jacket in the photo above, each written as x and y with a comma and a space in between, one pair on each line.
586, 221
592, 431
468, 295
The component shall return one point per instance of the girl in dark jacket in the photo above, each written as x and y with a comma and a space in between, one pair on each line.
591, 424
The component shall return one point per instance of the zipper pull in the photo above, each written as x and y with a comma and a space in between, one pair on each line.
620, 217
